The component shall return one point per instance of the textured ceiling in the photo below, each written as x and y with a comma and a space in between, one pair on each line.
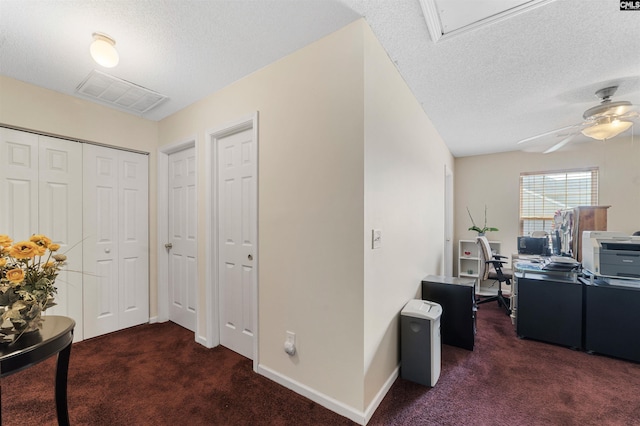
484, 89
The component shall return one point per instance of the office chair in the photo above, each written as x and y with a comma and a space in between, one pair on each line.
491, 269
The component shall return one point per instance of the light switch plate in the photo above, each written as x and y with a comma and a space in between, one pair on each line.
376, 238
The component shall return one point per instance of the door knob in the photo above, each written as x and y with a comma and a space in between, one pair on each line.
168, 246
250, 257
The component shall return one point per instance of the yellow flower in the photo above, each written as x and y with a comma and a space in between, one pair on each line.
41, 240
15, 276
5, 241
54, 247
3, 262
49, 265
24, 250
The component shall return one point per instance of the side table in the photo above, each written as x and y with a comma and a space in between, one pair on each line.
55, 337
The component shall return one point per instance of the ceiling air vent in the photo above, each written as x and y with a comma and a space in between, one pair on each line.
119, 93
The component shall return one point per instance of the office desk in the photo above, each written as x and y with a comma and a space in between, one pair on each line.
612, 319
457, 297
55, 337
549, 308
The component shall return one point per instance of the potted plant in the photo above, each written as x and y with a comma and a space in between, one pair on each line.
28, 270
485, 228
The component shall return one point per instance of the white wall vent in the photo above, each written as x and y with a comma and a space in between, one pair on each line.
119, 93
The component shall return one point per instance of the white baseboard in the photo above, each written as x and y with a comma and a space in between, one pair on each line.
325, 400
373, 406
153, 320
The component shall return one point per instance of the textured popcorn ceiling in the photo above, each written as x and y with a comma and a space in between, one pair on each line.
483, 90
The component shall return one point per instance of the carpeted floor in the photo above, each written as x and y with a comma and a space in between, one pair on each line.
157, 375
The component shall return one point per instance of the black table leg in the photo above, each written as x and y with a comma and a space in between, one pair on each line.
62, 369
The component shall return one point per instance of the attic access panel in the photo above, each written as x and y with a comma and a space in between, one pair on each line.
446, 18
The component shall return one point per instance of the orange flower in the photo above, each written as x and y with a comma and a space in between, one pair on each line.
41, 240
3, 262
15, 276
5, 241
54, 247
24, 250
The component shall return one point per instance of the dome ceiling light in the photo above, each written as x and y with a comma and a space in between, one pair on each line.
103, 50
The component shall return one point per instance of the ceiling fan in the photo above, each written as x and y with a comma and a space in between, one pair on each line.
604, 121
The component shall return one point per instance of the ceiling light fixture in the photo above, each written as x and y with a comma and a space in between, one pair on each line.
103, 50
606, 128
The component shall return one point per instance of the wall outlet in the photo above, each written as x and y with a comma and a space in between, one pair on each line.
376, 238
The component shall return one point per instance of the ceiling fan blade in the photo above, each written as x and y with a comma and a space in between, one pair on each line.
560, 144
550, 133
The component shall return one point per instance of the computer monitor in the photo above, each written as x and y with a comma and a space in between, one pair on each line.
534, 246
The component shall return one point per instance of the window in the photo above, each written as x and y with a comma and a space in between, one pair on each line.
544, 193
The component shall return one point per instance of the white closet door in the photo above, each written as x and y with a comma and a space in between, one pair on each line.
60, 218
133, 218
18, 183
100, 248
116, 260
182, 236
41, 193
237, 210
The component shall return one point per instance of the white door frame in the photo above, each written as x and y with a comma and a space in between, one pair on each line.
448, 222
163, 226
211, 232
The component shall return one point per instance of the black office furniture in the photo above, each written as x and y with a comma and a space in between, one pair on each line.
457, 298
612, 320
549, 308
492, 269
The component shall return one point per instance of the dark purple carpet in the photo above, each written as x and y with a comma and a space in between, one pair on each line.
157, 375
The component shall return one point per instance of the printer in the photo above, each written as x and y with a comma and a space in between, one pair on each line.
611, 254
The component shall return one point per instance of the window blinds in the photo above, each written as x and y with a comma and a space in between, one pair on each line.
544, 193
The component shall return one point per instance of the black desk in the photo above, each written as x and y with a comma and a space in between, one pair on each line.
549, 309
612, 320
54, 338
457, 296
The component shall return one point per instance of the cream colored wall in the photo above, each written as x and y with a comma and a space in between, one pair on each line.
405, 160
311, 173
34, 108
494, 180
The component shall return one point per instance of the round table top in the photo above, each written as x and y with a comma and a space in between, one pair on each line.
55, 335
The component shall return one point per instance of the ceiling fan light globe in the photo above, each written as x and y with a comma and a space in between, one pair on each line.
607, 129
103, 51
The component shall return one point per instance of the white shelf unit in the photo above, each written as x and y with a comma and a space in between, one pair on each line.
469, 266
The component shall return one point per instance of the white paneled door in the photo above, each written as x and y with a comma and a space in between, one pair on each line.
182, 238
116, 260
41, 193
237, 233
60, 218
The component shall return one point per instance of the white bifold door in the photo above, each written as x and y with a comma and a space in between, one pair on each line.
41, 193
116, 240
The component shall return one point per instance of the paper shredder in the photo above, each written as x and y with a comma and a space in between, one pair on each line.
420, 343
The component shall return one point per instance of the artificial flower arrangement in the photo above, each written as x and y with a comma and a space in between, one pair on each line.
485, 228
28, 270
